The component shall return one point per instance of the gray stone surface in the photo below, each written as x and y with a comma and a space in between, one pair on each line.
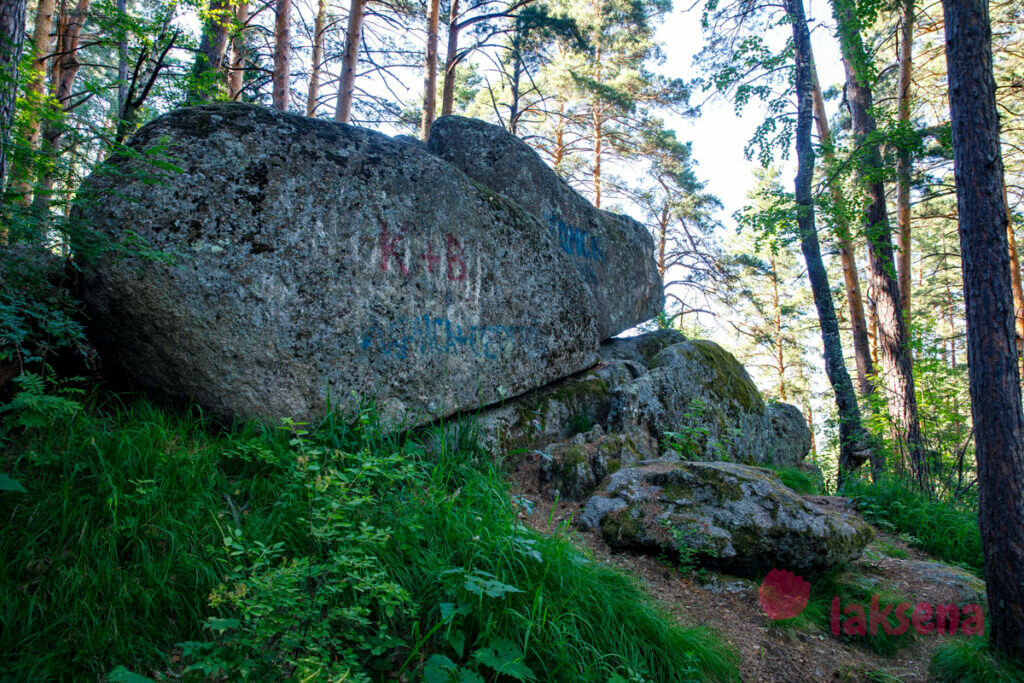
643, 387
615, 254
313, 257
698, 388
736, 518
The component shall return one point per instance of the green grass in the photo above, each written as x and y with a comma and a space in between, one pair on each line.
946, 531
968, 660
797, 479
330, 551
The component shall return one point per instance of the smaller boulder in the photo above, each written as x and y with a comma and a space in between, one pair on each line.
734, 518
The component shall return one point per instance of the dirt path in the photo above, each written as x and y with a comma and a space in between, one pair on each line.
768, 652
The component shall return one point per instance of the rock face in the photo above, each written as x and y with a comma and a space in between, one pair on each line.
612, 252
699, 392
736, 518
313, 259
647, 392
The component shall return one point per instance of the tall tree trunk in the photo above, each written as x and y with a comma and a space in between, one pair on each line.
854, 298
212, 46
598, 152
430, 70
282, 53
853, 440
63, 74
236, 76
451, 61
893, 343
906, 44
991, 343
12, 37
122, 62
1015, 279
319, 26
779, 347
349, 62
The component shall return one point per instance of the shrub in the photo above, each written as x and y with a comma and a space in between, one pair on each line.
332, 551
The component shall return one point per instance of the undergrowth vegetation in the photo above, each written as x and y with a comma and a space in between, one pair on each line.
151, 539
945, 529
969, 660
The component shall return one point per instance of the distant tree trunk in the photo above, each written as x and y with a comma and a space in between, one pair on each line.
809, 416
779, 347
212, 46
62, 81
430, 70
319, 25
598, 151
122, 62
346, 88
451, 61
893, 343
854, 298
663, 240
906, 44
12, 37
236, 76
853, 441
282, 53
991, 343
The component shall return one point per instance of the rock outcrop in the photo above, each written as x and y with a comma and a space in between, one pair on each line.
732, 517
611, 252
315, 260
649, 392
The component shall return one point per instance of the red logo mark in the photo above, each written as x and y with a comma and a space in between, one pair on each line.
783, 594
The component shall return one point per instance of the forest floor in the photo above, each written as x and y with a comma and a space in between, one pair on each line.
767, 651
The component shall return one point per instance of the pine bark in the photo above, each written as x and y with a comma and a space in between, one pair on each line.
349, 62
451, 61
236, 76
319, 26
282, 53
854, 297
906, 43
1015, 278
430, 70
893, 342
991, 341
12, 37
853, 440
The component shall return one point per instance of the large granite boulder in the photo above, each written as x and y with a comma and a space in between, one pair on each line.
313, 261
648, 392
697, 394
613, 253
731, 517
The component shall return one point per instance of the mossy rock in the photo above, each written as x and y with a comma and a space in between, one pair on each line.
725, 516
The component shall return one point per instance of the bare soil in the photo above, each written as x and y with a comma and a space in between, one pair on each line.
768, 653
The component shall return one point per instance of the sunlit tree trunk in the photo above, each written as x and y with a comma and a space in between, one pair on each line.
893, 342
430, 70
319, 26
349, 62
991, 339
236, 76
906, 43
22, 176
282, 53
451, 61
854, 299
